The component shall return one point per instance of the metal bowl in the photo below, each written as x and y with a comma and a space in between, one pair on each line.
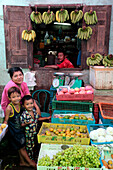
59, 74
75, 74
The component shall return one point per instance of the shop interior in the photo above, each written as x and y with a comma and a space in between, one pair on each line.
51, 37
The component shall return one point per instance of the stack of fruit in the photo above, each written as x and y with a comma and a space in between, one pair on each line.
28, 35
62, 15
95, 59
36, 17
48, 17
90, 17
84, 33
76, 16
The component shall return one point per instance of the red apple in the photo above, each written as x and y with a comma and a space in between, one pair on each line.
64, 90
71, 91
77, 89
76, 92
82, 92
88, 88
89, 92
60, 93
82, 88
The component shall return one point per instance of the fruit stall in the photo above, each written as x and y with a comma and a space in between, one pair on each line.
73, 140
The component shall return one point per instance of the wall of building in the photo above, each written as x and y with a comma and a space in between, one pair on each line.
4, 77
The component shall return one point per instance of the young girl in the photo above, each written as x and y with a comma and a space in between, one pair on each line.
16, 132
29, 119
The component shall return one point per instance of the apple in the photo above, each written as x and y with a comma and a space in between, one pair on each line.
67, 93
60, 93
71, 91
77, 89
89, 92
88, 87
82, 92
64, 90
76, 92
82, 88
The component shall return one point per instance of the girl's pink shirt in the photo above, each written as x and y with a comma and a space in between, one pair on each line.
5, 100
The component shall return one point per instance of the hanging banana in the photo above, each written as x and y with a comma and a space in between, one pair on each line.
48, 17
28, 35
90, 17
36, 17
84, 33
76, 16
95, 59
62, 15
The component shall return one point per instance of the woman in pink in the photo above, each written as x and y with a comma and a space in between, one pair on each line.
17, 76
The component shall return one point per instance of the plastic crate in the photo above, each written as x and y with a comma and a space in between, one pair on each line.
72, 105
42, 138
96, 112
106, 113
95, 127
52, 94
71, 121
52, 149
3, 132
75, 97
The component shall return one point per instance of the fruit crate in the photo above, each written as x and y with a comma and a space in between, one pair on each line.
52, 149
52, 94
106, 113
92, 127
2, 134
72, 105
74, 97
58, 117
69, 139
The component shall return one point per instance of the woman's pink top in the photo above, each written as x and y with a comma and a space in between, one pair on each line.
5, 100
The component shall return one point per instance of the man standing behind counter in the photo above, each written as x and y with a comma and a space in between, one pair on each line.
64, 62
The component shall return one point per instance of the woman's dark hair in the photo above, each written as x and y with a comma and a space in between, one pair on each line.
12, 90
26, 97
14, 69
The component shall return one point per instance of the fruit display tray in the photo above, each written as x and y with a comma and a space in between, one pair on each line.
81, 106
52, 149
64, 139
95, 127
59, 116
75, 97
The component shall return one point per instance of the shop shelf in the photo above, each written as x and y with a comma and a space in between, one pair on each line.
42, 138
72, 105
106, 113
62, 120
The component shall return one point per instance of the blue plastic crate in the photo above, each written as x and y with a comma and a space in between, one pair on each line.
71, 121
105, 121
95, 127
52, 93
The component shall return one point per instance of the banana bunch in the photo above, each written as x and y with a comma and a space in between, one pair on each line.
62, 15
108, 60
36, 17
28, 35
76, 16
90, 17
84, 33
94, 59
48, 17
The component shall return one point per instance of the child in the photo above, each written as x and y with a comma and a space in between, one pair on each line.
16, 132
29, 119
